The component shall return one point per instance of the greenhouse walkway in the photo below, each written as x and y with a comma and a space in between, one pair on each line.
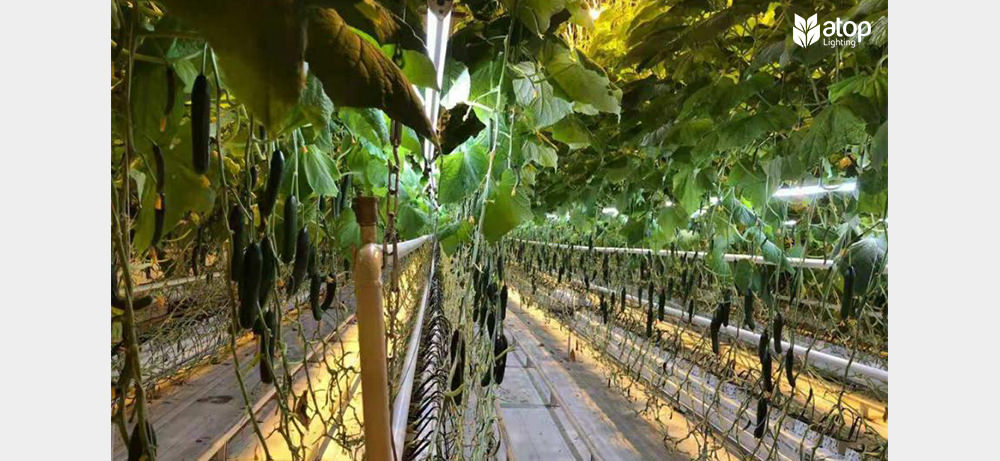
555, 403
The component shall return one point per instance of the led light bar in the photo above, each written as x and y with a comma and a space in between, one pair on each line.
816, 189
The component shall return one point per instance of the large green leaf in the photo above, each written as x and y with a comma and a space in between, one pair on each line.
543, 155
880, 147
457, 84
744, 131
185, 192
580, 79
416, 66
321, 172
535, 14
571, 132
356, 74
868, 255
835, 128
507, 208
461, 173
533, 92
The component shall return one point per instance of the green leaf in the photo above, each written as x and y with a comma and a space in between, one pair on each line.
580, 79
874, 87
417, 67
412, 221
535, 14
347, 231
314, 107
671, 219
543, 155
356, 74
744, 131
537, 96
688, 189
321, 172
185, 192
835, 128
507, 208
880, 147
461, 173
457, 84
571, 132
868, 255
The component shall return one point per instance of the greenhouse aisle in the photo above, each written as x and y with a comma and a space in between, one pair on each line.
556, 406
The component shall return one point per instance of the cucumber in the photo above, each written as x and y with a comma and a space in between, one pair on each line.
623, 299
237, 223
662, 304
714, 330
291, 228
266, 204
268, 272
201, 105
726, 308
765, 372
315, 284
748, 310
649, 316
135, 449
762, 405
302, 252
331, 291
500, 364
249, 288
160, 169
847, 298
503, 302
690, 311
762, 345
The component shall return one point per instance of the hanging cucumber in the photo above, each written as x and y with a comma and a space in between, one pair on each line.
160, 168
789, 372
201, 103
237, 223
649, 318
291, 228
748, 309
714, 330
726, 308
690, 311
779, 324
500, 364
503, 302
315, 284
266, 372
765, 372
135, 449
762, 404
302, 247
762, 346
268, 272
250, 286
847, 298
604, 308
662, 304
622, 298
266, 204
331, 291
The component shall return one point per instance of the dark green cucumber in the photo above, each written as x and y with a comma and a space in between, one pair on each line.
762, 346
761, 426
315, 284
748, 310
500, 364
269, 270
201, 105
250, 286
765, 372
331, 291
291, 228
662, 302
690, 310
274, 175
622, 299
135, 449
302, 247
237, 223
160, 168
726, 308
503, 302
714, 330
847, 298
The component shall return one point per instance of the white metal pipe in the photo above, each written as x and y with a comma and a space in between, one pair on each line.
401, 406
806, 263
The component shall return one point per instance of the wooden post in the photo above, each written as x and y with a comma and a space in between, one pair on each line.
371, 334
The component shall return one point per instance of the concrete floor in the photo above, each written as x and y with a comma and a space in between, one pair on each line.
555, 408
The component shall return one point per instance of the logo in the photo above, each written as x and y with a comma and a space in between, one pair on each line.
805, 32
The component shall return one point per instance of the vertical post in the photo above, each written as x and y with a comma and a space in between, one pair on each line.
371, 334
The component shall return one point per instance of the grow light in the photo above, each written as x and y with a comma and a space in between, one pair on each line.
610, 211
816, 189
790, 223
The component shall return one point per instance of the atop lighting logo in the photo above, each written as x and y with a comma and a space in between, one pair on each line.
805, 32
